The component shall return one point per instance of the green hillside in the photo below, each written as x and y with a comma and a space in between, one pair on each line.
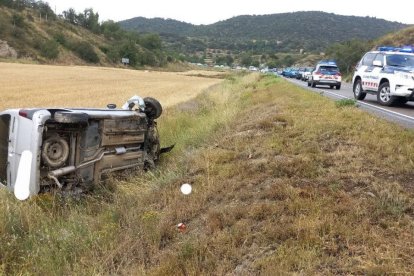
31, 31
402, 37
311, 31
348, 53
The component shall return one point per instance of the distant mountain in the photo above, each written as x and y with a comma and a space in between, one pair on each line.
311, 31
158, 25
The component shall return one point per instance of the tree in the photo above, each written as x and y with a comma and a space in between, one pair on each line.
130, 50
288, 60
246, 60
110, 29
86, 52
224, 60
89, 20
151, 41
45, 10
18, 20
255, 63
348, 53
70, 16
273, 64
7, 3
19, 4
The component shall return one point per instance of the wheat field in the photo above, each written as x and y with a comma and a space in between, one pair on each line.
27, 85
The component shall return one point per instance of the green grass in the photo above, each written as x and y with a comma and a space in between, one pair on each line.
345, 102
283, 180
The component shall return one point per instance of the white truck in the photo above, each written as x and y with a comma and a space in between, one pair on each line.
387, 73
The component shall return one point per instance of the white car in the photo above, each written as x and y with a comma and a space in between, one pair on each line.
72, 148
326, 73
387, 73
307, 73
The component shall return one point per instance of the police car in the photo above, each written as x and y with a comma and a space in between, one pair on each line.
388, 73
326, 73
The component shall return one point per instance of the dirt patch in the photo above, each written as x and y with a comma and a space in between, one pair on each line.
7, 51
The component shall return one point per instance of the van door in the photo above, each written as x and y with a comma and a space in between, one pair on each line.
367, 67
4, 146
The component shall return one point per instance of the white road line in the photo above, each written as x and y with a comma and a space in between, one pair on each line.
366, 104
371, 105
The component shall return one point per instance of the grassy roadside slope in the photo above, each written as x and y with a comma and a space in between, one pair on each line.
283, 181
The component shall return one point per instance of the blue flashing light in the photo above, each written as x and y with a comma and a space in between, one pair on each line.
327, 61
407, 49
403, 49
387, 48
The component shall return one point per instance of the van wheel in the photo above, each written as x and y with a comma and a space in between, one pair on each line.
358, 92
55, 151
153, 108
384, 95
69, 117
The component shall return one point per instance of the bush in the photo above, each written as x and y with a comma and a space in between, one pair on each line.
85, 51
345, 102
104, 49
151, 41
113, 55
60, 38
348, 53
148, 58
49, 49
18, 32
130, 50
18, 20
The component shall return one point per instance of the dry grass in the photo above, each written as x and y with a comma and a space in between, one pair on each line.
284, 182
294, 185
77, 86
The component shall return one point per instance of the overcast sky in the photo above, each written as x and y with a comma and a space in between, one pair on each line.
211, 11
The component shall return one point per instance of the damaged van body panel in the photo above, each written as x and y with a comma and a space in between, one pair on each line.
71, 149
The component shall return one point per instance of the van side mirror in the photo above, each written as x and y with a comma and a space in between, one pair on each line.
377, 63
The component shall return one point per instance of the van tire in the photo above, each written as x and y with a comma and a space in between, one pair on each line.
359, 94
153, 108
383, 95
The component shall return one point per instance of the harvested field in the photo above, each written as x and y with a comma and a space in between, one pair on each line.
25, 85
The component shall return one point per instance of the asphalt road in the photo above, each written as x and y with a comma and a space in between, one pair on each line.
402, 115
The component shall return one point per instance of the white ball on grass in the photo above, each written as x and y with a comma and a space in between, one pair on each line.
186, 189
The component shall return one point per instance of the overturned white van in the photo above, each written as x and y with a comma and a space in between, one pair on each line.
72, 148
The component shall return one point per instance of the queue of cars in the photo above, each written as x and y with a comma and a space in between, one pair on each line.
326, 72
387, 73
298, 73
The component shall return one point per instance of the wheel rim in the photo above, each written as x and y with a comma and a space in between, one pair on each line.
385, 94
357, 89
